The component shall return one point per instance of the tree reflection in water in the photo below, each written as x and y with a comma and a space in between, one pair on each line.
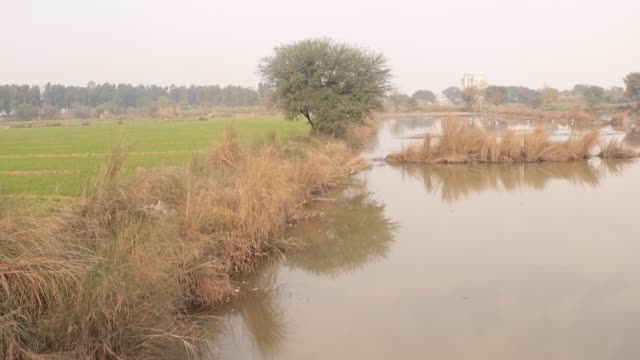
351, 234
456, 182
257, 307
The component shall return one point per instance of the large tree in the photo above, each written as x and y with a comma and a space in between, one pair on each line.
454, 94
424, 96
331, 84
632, 84
469, 97
402, 101
495, 95
549, 96
593, 95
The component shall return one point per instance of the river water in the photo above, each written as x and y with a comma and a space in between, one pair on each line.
533, 261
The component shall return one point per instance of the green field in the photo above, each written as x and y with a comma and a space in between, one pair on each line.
58, 160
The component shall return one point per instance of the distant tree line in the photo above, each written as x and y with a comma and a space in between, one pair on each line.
589, 95
500, 95
25, 101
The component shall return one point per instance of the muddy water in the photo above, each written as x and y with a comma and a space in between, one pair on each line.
454, 262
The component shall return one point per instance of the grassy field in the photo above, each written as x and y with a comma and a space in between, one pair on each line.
58, 160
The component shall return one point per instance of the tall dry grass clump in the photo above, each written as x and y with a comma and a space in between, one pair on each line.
460, 142
617, 149
360, 136
227, 152
118, 273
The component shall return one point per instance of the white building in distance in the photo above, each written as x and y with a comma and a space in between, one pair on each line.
474, 80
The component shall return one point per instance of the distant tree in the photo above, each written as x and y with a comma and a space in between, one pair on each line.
424, 96
632, 84
549, 96
146, 104
402, 101
333, 85
454, 94
469, 97
34, 96
523, 95
593, 95
80, 112
495, 95
265, 92
579, 89
535, 99
26, 112
5, 99
615, 95
50, 112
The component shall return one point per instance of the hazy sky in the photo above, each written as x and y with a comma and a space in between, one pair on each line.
429, 44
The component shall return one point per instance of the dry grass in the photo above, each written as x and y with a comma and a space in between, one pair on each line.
360, 136
616, 149
227, 152
116, 275
462, 143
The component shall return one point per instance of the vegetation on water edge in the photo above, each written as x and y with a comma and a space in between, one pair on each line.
463, 143
120, 272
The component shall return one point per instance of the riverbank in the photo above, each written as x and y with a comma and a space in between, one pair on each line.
123, 271
463, 143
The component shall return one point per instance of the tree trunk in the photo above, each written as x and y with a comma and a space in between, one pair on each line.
307, 115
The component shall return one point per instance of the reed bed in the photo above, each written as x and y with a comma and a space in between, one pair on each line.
463, 143
121, 271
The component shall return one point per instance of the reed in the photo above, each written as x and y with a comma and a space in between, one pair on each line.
616, 149
120, 271
462, 143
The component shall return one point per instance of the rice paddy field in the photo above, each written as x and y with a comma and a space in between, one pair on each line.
58, 161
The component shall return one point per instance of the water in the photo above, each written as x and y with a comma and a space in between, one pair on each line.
535, 261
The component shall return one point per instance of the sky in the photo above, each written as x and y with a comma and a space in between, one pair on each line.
428, 44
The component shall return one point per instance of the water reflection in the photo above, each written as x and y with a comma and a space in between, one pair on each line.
457, 182
257, 311
543, 274
410, 127
352, 233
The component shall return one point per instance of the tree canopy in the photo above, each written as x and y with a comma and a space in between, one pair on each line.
424, 96
331, 84
469, 97
549, 96
593, 95
495, 95
632, 84
454, 94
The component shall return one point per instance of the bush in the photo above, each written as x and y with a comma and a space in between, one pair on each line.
80, 112
26, 112
50, 112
